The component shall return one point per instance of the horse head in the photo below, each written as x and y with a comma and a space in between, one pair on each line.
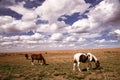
97, 64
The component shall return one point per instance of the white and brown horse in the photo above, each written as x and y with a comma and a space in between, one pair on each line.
38, 57
85, 58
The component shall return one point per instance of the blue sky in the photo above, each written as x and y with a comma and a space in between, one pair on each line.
35, 25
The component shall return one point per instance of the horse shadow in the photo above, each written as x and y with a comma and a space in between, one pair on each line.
93, 69
84, 69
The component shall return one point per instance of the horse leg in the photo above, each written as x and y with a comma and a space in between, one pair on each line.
74, 66
89, 66
32, 62
41, 62
78, 65
38, 61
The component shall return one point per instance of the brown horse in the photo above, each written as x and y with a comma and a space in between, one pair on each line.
26, 56
38, 57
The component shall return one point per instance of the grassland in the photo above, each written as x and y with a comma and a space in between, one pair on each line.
14, 66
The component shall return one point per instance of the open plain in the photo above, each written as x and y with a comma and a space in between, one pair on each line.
14, 66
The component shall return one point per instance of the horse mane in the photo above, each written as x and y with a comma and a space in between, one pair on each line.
92, 57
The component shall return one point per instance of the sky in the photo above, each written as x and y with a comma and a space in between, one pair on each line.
36, 25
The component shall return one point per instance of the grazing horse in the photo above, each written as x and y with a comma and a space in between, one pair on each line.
84, 58
38, 57
26, 56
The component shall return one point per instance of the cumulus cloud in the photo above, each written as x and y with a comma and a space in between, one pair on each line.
106, 13
105, 41
54, 27
101, 23
81, 39
102, 17
57, 8
70, 39
19, 8
10, 25
56, 37
35, 36
5, 19
6, 43
22, 40
80, 26
29, 17
115, 33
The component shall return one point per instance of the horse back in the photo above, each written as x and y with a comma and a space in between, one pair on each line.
83, 58
37, 56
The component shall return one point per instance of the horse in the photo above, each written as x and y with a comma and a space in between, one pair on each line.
84, 58
38, 57
26, 56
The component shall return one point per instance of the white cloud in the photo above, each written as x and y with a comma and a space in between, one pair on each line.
56, 34
105, 13
47, 28
10, 25
32, 42
6, 43
56, 37
80, 26
100, 18
19, 8
5, 19
105, 41
26, 23
115, 33
52, 10
81, 39
29, 16
35, 36
101, 41
54, 27
22, 39
71, 39
24, 26
102, 9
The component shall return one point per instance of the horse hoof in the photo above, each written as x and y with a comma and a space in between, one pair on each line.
32, 64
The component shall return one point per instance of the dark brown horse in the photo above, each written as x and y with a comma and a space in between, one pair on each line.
26, 56
38, 57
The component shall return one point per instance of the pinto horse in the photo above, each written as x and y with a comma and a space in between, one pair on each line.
38, 57
84, 58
